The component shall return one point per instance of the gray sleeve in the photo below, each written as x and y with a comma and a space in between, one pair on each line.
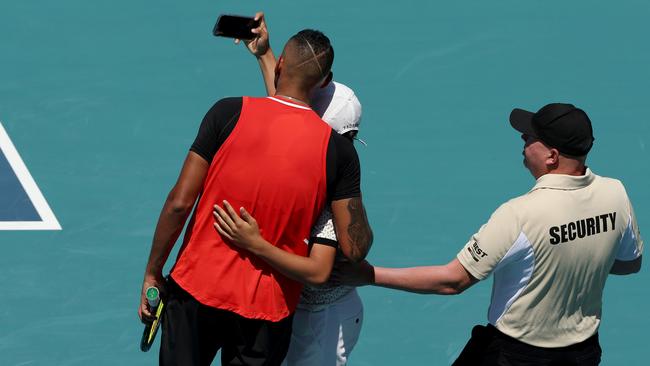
323, 231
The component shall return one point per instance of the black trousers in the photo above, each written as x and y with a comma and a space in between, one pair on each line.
192, 333
488, 346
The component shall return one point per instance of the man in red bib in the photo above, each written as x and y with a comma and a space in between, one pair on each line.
275, 156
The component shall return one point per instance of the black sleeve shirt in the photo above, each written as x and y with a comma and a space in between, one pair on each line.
343, 167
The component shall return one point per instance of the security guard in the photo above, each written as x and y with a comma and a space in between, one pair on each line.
550, 251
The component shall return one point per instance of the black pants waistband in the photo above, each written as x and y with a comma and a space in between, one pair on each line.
490, 347
589, 342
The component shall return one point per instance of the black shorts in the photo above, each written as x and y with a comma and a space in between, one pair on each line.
192, 333
489, 346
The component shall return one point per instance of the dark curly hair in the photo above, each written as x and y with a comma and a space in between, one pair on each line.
315, 52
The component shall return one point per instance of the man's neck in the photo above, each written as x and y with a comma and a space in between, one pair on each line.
292, 93
576, 170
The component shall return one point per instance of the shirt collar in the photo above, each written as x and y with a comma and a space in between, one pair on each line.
564, 182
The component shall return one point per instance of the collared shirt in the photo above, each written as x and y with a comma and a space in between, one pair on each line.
550, 251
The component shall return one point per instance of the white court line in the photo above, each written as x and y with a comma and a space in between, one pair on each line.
49, 221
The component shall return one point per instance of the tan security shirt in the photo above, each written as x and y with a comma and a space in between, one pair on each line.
550, 251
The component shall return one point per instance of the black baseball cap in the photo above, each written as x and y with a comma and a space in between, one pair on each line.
559, 125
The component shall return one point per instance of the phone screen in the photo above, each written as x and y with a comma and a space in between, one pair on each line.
233, 26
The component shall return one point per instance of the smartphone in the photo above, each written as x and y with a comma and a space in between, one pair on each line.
234, 26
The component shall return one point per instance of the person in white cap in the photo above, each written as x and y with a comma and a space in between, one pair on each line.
328, 320
337, 105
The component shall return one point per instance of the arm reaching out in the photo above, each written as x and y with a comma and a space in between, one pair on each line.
450, 279
260, 47
244, 233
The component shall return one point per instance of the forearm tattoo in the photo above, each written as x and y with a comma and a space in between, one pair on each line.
359, 229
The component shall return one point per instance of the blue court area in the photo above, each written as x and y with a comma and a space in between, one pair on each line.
103, 99
15, 204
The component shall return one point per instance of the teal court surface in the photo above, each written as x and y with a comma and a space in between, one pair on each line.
101, 101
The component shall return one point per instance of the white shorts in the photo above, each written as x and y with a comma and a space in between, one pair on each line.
325, 336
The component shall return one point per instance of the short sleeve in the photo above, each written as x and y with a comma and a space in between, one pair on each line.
631, 246
343, 169
485, 249
323, 231
216, 126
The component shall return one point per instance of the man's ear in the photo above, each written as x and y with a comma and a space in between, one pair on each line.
328, 79
278, 65
553, 157
278, 70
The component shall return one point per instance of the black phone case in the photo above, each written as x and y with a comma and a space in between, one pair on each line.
235, 26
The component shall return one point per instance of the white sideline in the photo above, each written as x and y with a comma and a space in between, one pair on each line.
48, 220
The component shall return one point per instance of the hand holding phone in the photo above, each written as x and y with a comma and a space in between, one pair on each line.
234, 26
260, 45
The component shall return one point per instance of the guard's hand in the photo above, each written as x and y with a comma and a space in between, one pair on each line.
259, 45
353, 274
242, 231
145, 311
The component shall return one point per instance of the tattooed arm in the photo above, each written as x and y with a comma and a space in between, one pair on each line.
350, 219
352, 228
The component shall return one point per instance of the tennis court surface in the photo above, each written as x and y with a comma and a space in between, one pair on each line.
102, 100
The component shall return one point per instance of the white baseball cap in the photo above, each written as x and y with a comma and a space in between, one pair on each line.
337, 105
